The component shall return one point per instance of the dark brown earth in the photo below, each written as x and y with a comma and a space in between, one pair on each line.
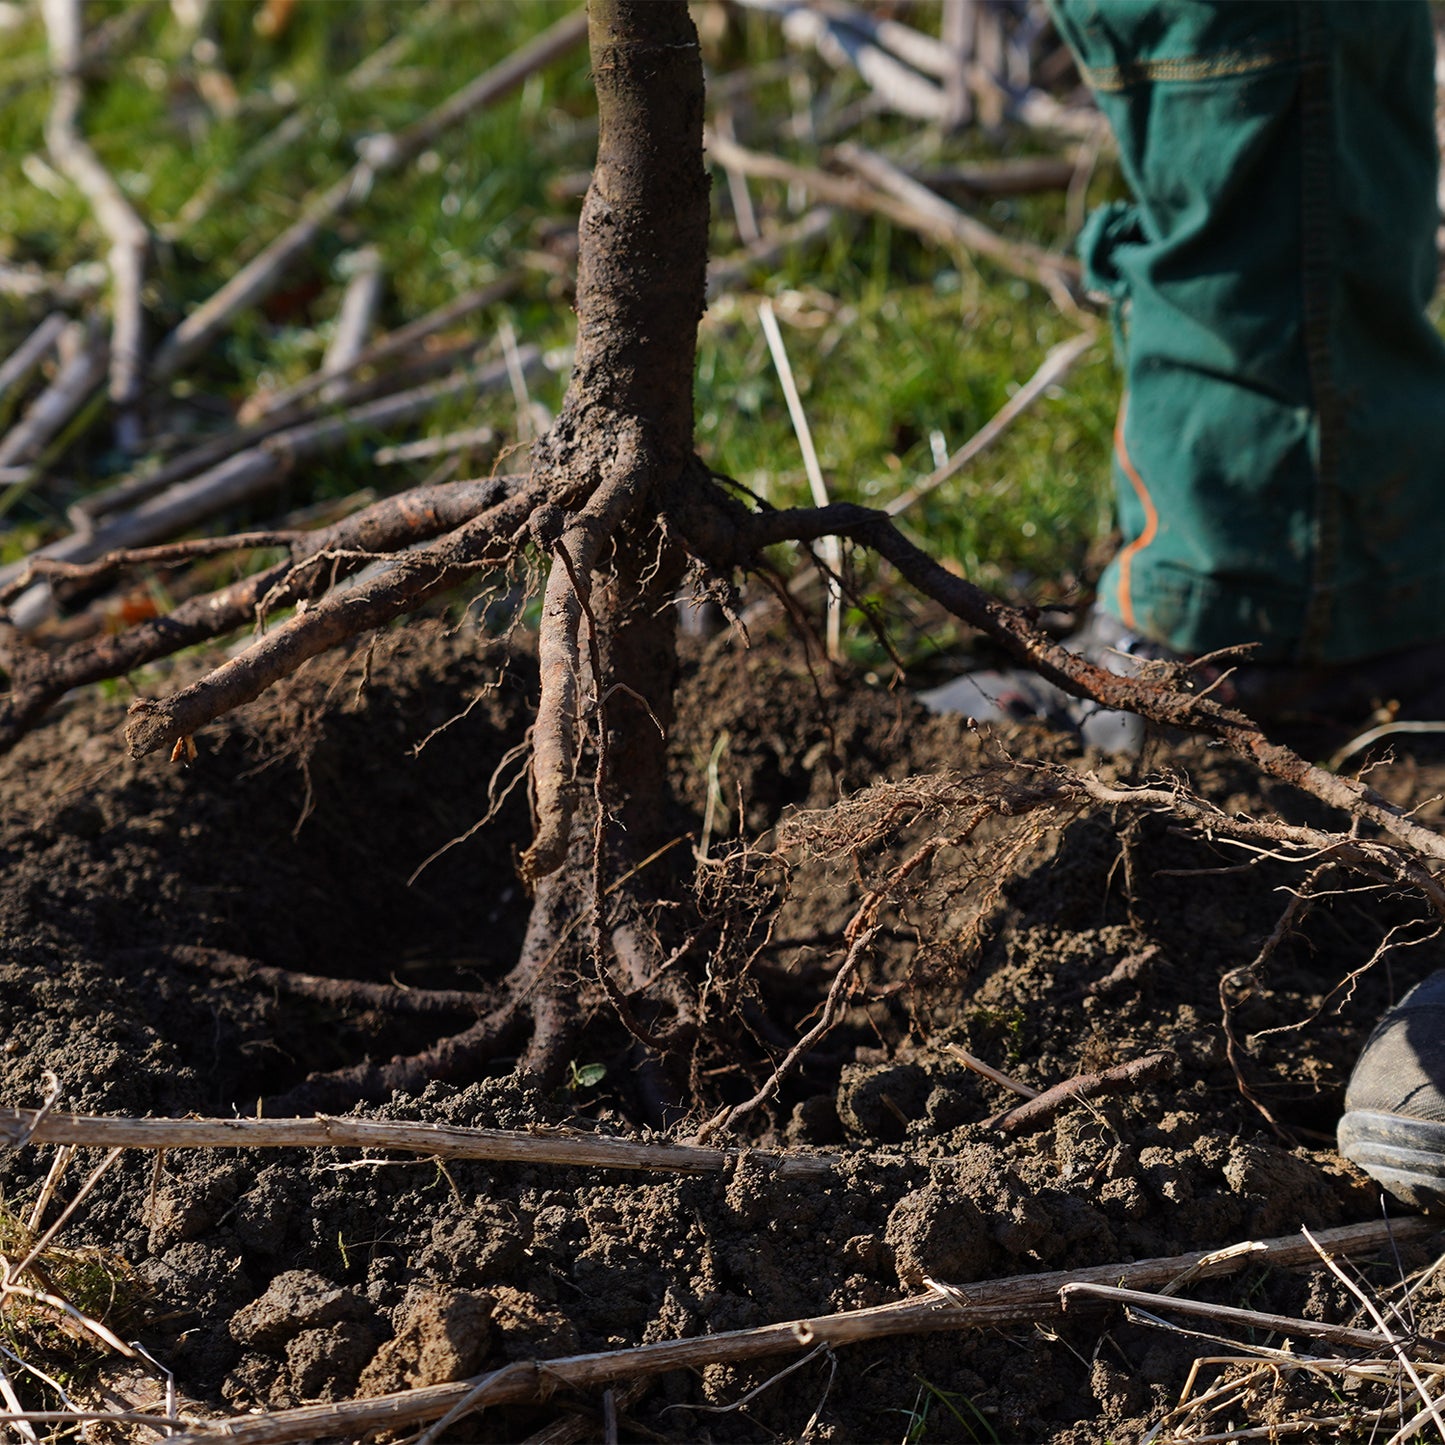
277, 1278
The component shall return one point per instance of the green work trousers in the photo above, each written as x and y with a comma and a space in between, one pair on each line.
1280, 447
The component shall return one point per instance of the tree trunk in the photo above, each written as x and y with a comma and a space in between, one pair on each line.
620, 447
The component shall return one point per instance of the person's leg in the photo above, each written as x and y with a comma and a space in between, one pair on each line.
1280, 449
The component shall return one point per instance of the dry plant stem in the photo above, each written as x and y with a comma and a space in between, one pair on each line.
354, 320
949, 223
1251, 1319
16, 368
251, 472
1020, 258
1053, 369
382, 154
1015, 630
74, 384
560, 1148
1000, 1302
895, 84
978, 1066
1038, 1113
129, 239
37, 680
1396, 1343
260, 417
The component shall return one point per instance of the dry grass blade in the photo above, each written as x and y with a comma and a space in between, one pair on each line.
1396, 1343
1060, 361
833, 548
128, 235
1229, 1314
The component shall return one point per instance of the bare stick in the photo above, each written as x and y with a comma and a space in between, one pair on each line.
354, 320
1037, 1113
30, 353
1396, 1344
249, 473
1053, 369
265, 415
895, 84
472, 439
988, 1303
833, 548
560, 1148
938, 220
129, 239
948, 222
74, 384
382, 154
1250, 1319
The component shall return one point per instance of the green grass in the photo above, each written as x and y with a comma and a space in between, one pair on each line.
891, 339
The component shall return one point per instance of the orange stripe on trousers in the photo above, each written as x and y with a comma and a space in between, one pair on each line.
1151, 521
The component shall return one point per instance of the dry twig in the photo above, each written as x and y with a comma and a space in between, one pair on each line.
996, 1302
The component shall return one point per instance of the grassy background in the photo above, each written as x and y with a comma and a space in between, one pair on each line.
891, 339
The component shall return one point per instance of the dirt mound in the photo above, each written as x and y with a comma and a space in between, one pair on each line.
283, 1277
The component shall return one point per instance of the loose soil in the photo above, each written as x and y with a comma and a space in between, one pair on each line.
1055, 945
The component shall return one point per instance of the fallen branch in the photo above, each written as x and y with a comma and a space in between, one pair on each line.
988, 1303
354, 320
897, 85
16, 368
1036, 1113
944, 220
941, 222
127, 233
264, 415
81, 371
250, 473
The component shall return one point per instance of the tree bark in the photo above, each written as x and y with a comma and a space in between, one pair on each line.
623, 439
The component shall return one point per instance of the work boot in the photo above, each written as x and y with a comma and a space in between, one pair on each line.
1394, 1123
1018, 695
